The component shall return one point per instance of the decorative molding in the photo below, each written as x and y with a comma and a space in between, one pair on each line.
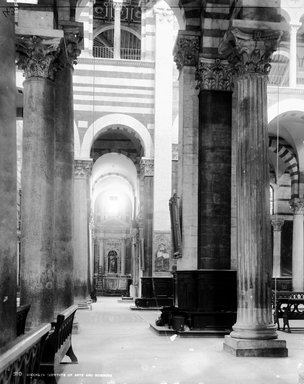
214, 75
277, 224
35, 55
83, 168
147, 167
250, 53
297, 206
186, 50
163, 14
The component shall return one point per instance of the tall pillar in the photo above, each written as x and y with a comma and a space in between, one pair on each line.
254, 333
82, 173
64, 172
101, 257
214, 178
117, 4
147, 182
8, 187
297, 205
293, 55
277, 224
123, 257
186, 57
162, 129
36, 57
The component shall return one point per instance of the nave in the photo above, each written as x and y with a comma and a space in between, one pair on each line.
115, 345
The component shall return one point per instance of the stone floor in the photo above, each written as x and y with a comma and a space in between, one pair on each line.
115, 345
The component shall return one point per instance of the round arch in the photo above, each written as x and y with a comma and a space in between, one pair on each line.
123, 27
283, 106
116, 119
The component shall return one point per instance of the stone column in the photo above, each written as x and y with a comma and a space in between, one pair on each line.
36, 57
147, 183
186, 57
293, 55
82, 173
64, 171
297, 205
8, 185
214, 174
117, 4
277, 224
254, 333
163, 120
123, 257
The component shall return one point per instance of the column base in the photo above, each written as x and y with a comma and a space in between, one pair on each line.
255, 348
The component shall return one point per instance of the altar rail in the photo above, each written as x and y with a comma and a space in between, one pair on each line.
20, 359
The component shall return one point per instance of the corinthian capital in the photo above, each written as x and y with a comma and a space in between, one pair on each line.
36, 55
249, 53
214, 75
297, 206
186, 49
83, 168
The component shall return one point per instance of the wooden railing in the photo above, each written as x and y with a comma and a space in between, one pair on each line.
20, 359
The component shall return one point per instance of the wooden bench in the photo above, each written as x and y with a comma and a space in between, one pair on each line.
288, 306
58, 344
22, 312
20, 359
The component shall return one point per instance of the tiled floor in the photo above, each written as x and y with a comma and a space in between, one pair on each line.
116, 346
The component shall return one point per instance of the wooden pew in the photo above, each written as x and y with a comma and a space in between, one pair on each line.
20, 359
58, 344
22, 312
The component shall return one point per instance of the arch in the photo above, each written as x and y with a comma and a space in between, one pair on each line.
123, 27
283, 106
116, 119
292, 164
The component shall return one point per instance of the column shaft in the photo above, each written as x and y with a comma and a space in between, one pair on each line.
297, 245
293, 56
117, 28
123, 257
63, 206
81, 228
37, 220
277, 230
101, 257
8, 188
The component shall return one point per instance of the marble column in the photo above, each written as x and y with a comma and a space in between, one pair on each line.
214, 174
82, 174
186, 57
8, 187
147, 184
254, 333
297, 205
277, 224
163, 121
36, 57
64, 172
117, 4
101, 257
293, 55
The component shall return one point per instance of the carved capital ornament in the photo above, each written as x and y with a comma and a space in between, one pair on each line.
83, 168
214, 75
249, 53
35, 56
297, 206
186, 51
147, 167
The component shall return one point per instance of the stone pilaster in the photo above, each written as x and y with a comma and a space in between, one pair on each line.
254, 333
82, 174
297, 206
8, 187
147, 184
214, 81
123, 257
186, 53
36, 56
293, 54
277, 224
163, 119
64, 169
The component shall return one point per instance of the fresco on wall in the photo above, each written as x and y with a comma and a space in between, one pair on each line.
162, 246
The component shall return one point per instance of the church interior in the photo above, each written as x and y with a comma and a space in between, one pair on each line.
152, 191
